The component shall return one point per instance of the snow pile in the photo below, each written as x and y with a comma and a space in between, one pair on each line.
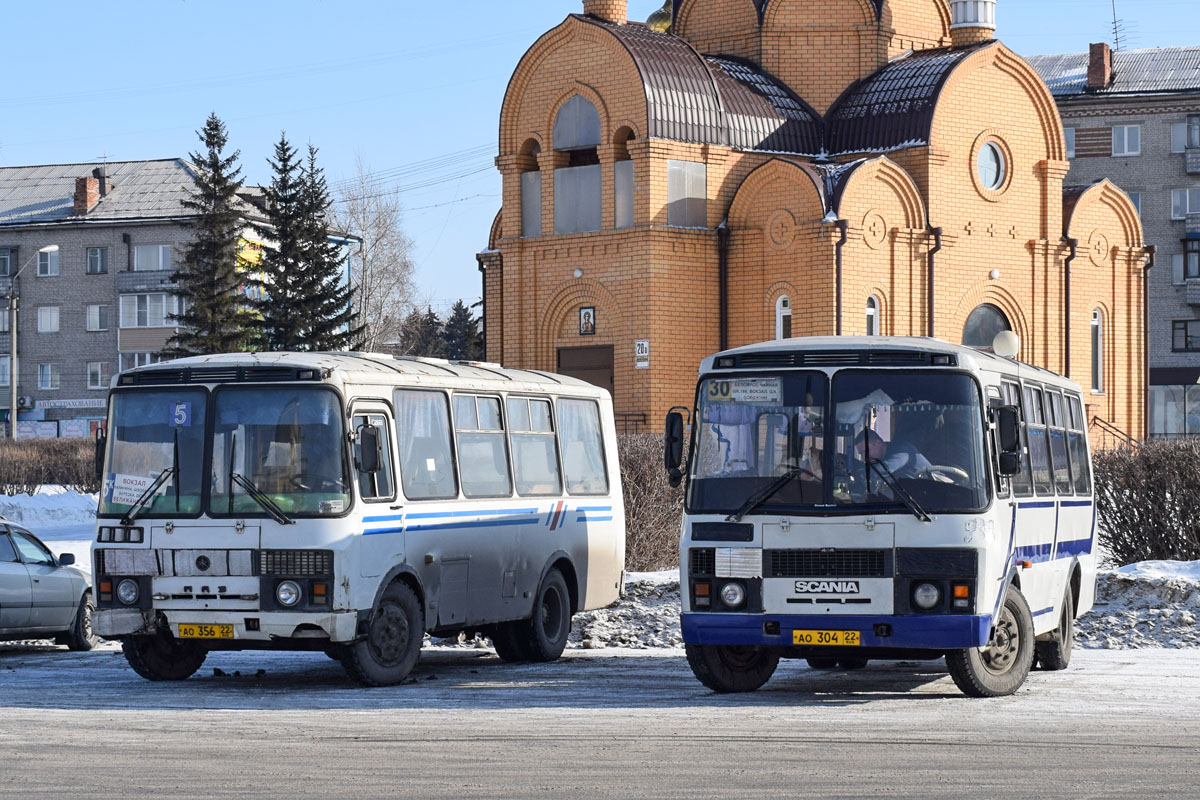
1152, 604
648, 616
51, 507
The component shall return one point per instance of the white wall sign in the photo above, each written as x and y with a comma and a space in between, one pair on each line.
94, 402
641, 354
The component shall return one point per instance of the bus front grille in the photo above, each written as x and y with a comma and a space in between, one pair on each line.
703, 561
296, 563
826, 563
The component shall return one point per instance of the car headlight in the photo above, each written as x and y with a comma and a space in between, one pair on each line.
733, 594
926, 596
287, 593
127, 591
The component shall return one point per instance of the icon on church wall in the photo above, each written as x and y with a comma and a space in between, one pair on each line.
587, 320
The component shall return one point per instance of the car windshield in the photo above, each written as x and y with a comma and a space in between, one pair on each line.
153, 433
752, 432
287, 443
897, 434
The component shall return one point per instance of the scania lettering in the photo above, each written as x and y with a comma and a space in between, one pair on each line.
351, 503
851, 499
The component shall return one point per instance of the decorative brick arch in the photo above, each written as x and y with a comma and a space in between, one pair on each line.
843, 12
556, 310
760, 180
497, 231
883, 317
572, 29
934, 12
1107, 194
743, 9
592, 96
986, 291
893, 176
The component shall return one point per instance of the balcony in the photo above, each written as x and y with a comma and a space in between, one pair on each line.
10, 286
1192, 160
137, 282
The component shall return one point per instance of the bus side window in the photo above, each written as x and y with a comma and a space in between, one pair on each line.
376, 486
534, 448
1058, 443
426, 460
1078, 444
482, 451
1039, 448
582, 447
1023, 481
1003, 483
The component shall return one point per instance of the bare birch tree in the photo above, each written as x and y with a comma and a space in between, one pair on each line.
382, 272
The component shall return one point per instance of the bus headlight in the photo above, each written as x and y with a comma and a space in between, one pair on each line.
287, 593
733, 594
127, 591
926, 596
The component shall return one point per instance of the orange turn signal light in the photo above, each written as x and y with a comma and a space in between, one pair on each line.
962, 590
1027, 564
702, 589
319, 589
106, 586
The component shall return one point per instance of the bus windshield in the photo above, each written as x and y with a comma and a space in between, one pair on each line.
776, 443
155, 434
285, 443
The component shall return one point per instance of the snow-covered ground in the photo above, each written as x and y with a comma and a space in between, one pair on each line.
1152, 604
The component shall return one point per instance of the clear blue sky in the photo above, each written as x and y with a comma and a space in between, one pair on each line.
395, 83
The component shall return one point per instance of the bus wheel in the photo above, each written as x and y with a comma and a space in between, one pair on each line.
543, 637
852, 663
731, 668
822, 662
508, 641
1055, 654
162, 657
1001, 666
389, 651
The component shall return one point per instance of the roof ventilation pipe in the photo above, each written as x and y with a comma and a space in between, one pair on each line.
607, 10
972, 22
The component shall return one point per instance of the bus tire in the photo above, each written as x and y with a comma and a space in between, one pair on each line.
1055, 654
389, 651
508, 642
81, 636
822, 662
543, 636
162, 657
1000, 667
852, 663
731, 668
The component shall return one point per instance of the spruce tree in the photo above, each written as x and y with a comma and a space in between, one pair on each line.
421, 334
281, 320
461, 334
212, 316
327, 296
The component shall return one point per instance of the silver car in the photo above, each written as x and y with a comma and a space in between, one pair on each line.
42, 596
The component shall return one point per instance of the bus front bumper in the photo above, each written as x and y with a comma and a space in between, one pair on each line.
248, 626
944, 632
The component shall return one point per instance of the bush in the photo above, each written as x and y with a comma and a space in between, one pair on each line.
1147, 501
653, 510
27, 464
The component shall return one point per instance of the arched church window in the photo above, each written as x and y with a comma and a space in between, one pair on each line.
622, 180
991, 166
531, 191
783, 318
873, 319
983, 324
577, 184
1097, 350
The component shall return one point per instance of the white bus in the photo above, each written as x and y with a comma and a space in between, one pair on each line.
883, 498
351, 503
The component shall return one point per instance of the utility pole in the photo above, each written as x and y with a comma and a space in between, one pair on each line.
13, 298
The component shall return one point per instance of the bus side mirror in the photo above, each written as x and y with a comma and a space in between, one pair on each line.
673, 447
98, 459
370, 449
1008, 430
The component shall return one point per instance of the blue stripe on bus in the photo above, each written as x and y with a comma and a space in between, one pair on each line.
383, 530
495, 523
1076, 503
1044, 611
1035, 552
1040, 504
389, 518
1075, 547
583, 518
494, 512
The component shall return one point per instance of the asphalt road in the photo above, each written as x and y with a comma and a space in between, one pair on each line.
597, 723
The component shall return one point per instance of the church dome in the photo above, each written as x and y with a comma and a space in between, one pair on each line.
661, 20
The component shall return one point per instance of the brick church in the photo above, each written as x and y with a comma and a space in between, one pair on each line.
744, 170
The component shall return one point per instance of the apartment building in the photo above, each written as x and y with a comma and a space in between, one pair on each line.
1133, 117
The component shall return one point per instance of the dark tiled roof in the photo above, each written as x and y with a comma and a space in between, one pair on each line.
895, 106
1163, 69
722, 101
1071, 195
761, 5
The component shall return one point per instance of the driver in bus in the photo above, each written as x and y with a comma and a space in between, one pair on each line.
899, 458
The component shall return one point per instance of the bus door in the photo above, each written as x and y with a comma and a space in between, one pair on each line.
382, 544
1038, 516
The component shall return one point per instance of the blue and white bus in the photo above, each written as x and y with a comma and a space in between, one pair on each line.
868, 498
351, 503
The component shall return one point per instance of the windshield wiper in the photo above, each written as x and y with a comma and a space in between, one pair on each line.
899, 491
147, 496
764, 494
267, 503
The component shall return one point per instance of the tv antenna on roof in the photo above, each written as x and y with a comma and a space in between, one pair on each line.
1118, 27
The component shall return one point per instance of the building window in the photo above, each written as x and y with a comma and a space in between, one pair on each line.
783, 318
6, 259
1191, 259
991, 166
47, 376
97, 260
1097, 350
873, 316
151, 257
531, 204
982, 326
1184, 202
47, 319
1136, 197
97, 374
1185, 335
47, 264
5, 371
1174, 411
1070, 136
1178, 271
577, 185
1193, 131
4, 320
687, 194
1127, 140
147, 310
623, 193
131, 360
1179, 135
97, 318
